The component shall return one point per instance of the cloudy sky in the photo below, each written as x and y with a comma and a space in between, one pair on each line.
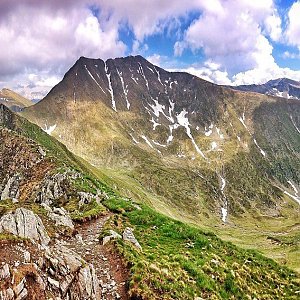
224, 41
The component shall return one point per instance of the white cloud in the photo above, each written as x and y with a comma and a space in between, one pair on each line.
233, 35
293, 29
273, 26
155, 59
52, 40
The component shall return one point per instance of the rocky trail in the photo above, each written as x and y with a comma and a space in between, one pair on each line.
108, 266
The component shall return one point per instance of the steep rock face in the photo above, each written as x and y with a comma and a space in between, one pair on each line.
6, 117
24, 223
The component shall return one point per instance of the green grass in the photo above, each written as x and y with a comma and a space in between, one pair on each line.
179, 261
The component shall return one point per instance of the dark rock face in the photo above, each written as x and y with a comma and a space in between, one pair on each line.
134, 84
6, 117
282, 87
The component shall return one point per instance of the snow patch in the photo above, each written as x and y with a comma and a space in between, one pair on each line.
147, 141
134, 79
172, 127
142, 73
94, 79
155, 124
294, 124
157, 108
158, 144
213, 145
158, 75
125, 89
49, 129
134, 139
111, 91
184, 121
224, 213
243, 119
261, 151
150, 69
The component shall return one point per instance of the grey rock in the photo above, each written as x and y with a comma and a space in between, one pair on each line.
7, 294
24, 223
11, 188
26, 256
60, 216
129, 237
4, 272
113, 235
20, 287
53, 282
22, 295
72, 274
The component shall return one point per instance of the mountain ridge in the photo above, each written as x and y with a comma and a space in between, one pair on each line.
13, 100
281, 87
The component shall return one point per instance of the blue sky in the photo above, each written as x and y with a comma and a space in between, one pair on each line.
223, 41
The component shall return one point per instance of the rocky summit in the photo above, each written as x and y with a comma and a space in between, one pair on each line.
130, 177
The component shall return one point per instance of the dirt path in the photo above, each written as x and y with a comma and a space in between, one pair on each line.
108, 265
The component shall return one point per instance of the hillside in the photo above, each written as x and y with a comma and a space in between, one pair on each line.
69, 250
195, 151
13, 100
281, 87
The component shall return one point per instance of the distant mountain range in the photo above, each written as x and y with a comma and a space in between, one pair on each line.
281, 87
13, 100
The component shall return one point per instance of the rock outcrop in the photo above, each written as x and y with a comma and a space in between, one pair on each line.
69, 275
129, 237
59, 215
24, 223
59, 274
11, 188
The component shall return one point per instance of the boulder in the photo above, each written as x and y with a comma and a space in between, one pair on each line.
71, 275
24, 223
59, 215
113, 235
129, 237
4, 272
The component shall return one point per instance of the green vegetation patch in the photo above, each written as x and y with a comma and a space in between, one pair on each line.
179, 261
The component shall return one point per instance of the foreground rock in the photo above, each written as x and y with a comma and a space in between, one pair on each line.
60, 273
129, 237
69, 275
25, 224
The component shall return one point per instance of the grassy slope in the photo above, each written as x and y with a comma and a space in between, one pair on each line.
182, 262
15, 99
